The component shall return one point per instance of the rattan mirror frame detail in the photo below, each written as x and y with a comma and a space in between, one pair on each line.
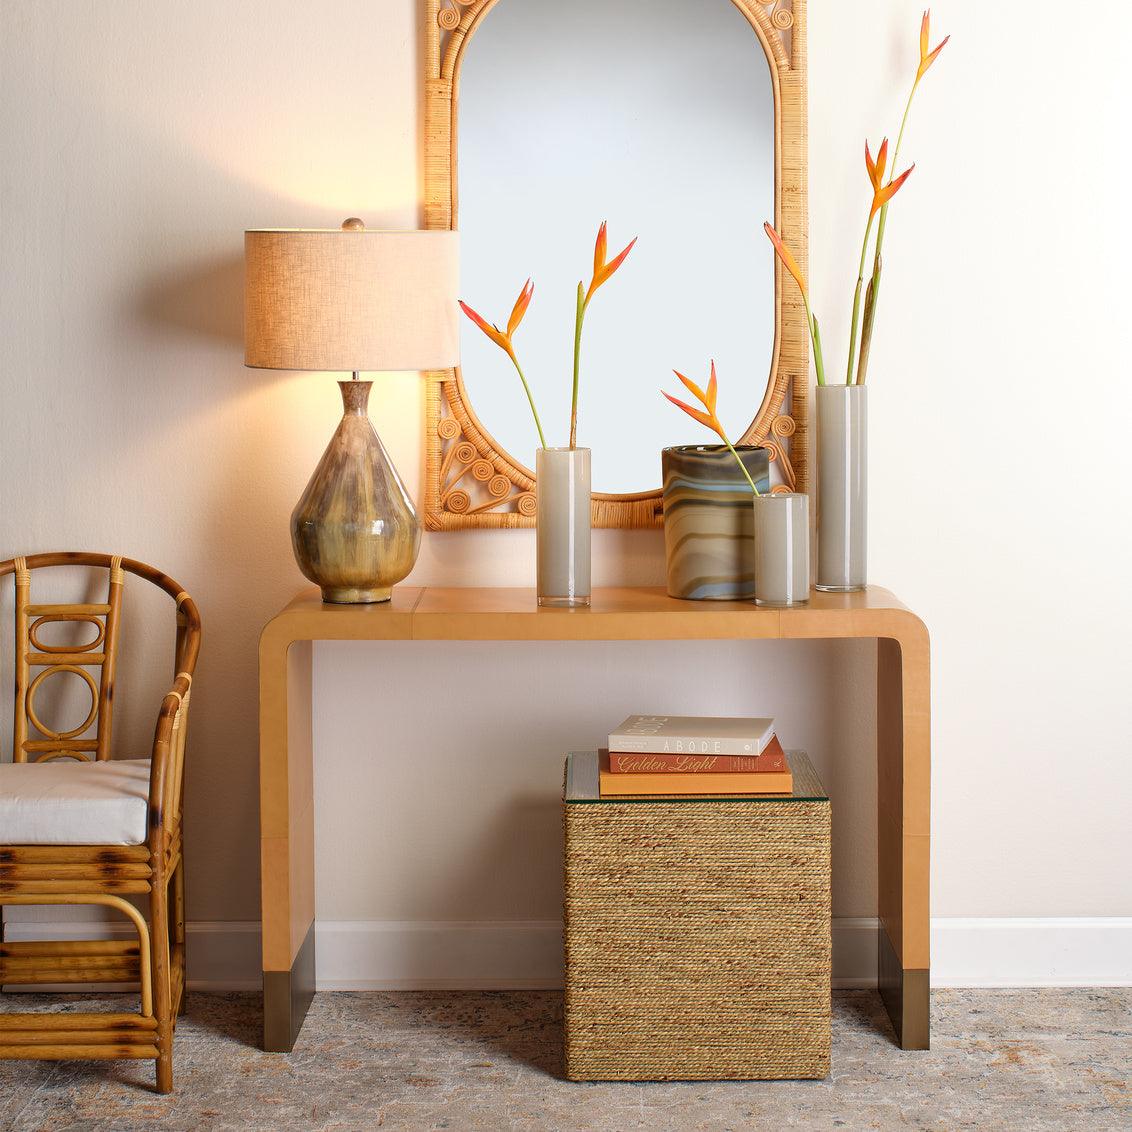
470, 481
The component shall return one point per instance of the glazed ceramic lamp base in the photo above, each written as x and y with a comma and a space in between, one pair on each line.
355, 531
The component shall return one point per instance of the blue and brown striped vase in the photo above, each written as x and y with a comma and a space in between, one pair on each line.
708, 521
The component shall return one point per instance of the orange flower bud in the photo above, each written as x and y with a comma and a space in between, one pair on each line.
927, 58
602, 270
787, 258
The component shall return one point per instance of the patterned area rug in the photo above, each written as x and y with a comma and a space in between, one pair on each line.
1032, 1059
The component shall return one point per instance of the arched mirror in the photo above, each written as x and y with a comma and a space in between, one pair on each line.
680, 122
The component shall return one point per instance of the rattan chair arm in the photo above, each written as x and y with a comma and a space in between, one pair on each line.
167, 766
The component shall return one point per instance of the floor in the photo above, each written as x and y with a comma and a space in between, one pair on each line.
1019, 1060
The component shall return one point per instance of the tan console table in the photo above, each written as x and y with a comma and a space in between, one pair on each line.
448, 614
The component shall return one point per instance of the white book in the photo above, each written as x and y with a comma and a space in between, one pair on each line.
691, 735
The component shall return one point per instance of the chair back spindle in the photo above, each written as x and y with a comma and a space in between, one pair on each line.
33, 738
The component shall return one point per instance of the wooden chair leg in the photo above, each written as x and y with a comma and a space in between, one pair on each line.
162, 982
179, 933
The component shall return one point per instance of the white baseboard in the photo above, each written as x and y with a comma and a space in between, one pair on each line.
1079, 951
445, 955
223, 955
513, 955
854, 951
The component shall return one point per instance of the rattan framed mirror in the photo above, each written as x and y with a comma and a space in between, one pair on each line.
471, 479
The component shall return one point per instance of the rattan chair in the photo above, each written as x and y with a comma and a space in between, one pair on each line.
95, 830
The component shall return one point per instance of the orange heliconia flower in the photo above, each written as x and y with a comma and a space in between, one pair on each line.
791, 264
707, 398
520, 307
603, 270
883, 193
927, 58
787, 257
501, 339
710, 418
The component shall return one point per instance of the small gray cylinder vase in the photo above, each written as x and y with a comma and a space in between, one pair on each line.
709, 547
782, 549
843, 519
563, 492
354, 530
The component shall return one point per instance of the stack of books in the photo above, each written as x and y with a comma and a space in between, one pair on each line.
682, 754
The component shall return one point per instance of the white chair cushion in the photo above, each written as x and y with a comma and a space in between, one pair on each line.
63, 802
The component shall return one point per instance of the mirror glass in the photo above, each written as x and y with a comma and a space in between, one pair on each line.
657, 116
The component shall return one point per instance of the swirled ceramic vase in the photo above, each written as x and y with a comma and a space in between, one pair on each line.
708, 521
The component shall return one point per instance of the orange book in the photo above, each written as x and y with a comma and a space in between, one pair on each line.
764, 782
772, 760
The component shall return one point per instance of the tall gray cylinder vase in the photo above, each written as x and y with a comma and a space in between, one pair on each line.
354, 531
843, 519
782, 549
709, 547
563, 492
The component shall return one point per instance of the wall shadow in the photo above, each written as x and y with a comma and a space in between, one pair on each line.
202, 300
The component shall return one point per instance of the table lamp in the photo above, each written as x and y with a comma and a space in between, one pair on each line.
352, 300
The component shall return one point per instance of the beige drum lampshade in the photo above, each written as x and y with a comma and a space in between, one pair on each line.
350, 299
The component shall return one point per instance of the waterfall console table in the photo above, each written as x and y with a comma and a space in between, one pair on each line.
436, 614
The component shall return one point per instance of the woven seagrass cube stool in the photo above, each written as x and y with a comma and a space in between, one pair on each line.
697, 932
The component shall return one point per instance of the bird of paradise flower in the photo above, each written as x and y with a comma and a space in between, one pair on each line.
603, 270
883, 192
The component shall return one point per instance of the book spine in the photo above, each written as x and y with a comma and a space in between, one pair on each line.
651, 763
683, 745
621, 785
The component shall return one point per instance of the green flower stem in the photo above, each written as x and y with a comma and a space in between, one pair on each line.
742, 466
579, 316
903, 125
815, 337
874, 283
857, 301
530, 399
895, 164
867, 324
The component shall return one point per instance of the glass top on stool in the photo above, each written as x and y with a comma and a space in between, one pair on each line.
582, 785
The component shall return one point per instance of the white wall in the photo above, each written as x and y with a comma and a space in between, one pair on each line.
999, 467
138, 142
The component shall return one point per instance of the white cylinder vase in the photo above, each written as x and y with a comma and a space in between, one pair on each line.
563, 492
843, 507
782, 549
